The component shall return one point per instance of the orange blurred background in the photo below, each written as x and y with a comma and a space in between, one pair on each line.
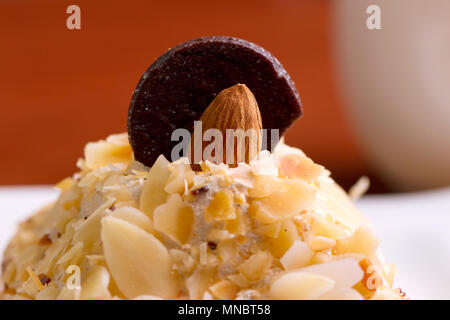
61, 88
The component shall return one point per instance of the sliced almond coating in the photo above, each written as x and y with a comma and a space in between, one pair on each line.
134, 216
263, 186
342, 294
362, 241
333, 201
227, 250
147, 297
237, 225
346, 272
288, 200
300, 286
88, 232
325, 227
102, 153
181, 177
199, 282
72, 255
50, 292
385, 294
256, 265
174, 218
319, 243
69, 294
286, 237
221, 207
139, 263
153, 193
224, 290
270, 230
300, 167
297, 256
95, 285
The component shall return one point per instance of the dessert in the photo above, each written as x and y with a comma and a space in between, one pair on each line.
133, 225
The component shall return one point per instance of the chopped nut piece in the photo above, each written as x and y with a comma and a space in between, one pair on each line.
297, 285
284, 240
237, 225
256, 266
181, 176
270, 230
264, 186
224, 290
362, 241
300, 167
345, 272
99, 154
221, 207
297, 256
288, 200
342, 294
175, 219
319, 243
153, 193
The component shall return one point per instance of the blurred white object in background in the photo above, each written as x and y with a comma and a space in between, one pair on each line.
396, 85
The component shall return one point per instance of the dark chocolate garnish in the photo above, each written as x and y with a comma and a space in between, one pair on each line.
180, 85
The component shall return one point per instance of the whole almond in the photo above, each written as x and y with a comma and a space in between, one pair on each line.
235, 114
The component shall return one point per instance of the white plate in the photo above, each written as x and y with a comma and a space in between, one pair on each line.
414, 229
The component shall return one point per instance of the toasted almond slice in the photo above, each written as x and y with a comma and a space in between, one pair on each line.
221, 207
333, 201
300, 286
297, 256
224, 290
147, 297
300, 167
199, 282
345, 272
290, 198
134, 216
263, 186
153, 193
342, 294
174, 218
286, 237
385, 294
139, 263
88, 232
69, 294
101, 153
181, 178
362, 241
95, 285
319, 243
256, 266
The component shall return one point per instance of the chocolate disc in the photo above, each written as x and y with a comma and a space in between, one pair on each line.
179, 86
